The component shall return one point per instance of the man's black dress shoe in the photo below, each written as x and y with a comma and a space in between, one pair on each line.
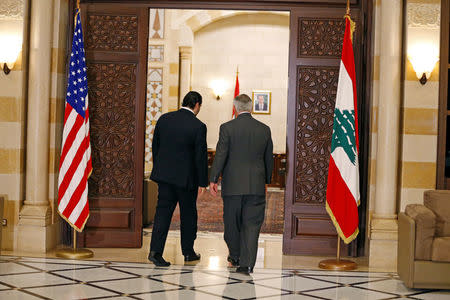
244, 270
192, 257
234, 262
158, 260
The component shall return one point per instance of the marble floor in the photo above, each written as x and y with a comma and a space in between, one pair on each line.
50, 278
214, 252
126, 274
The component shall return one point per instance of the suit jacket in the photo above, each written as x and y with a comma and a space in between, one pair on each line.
259, 108
243, 156
179, 150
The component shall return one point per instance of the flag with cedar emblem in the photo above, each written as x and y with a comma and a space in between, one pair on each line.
343, 173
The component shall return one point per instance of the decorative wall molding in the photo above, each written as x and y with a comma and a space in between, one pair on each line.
11, 9
112, 33
156, 24
156, 53
154, 106
424, 15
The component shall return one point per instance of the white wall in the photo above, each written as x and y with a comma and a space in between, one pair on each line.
259, 45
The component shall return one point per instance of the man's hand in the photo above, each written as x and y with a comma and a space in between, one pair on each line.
201, 190
213, 188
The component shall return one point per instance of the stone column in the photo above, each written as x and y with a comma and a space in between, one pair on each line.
383, 227
36, 234
185, 72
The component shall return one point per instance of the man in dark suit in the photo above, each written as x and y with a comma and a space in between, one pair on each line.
180, 167
244, 158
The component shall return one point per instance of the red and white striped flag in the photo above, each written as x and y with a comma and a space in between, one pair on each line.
343, 172
236, 93
75, 164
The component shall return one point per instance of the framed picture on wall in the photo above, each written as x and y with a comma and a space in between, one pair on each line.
261, 102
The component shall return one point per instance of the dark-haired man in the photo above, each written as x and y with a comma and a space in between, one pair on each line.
180, 167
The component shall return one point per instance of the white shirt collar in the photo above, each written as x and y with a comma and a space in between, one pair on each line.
187, 108
243, 112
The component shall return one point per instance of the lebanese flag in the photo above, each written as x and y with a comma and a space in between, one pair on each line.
343, 172
236, 92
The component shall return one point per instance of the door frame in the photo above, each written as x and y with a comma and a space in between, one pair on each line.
365, 71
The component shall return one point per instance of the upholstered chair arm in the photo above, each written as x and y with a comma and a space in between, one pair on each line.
406, 248
425, 220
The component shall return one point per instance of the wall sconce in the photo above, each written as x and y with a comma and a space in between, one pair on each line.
9, 52
423, 58
218, 87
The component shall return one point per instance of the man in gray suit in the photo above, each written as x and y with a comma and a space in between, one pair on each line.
244, 158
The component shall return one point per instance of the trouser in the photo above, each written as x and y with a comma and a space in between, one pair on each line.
243, 217
168, 196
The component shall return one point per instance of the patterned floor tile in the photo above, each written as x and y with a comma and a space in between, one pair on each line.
147, 271
19, 295
48, 266
117, 298
136, 285
4, 287
349, 293
33, 279
344, 279
339, 273
230, 273
180, 295
63, 261
392, 286
75, 291
194, 279
295, 283
291, 297
93, 274
43, 278
13, 268
240, 290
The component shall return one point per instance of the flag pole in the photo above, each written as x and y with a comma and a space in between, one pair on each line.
338, 254
338, 264
74, 252
75, 240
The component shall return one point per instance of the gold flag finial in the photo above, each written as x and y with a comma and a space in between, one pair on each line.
352, 23
77, 11
237, 70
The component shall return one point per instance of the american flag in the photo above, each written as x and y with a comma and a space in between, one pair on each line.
75, 164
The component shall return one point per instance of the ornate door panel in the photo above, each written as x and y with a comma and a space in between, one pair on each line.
315, 49
116, 46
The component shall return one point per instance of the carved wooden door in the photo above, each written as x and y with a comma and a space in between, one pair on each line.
116, 46
315, 49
